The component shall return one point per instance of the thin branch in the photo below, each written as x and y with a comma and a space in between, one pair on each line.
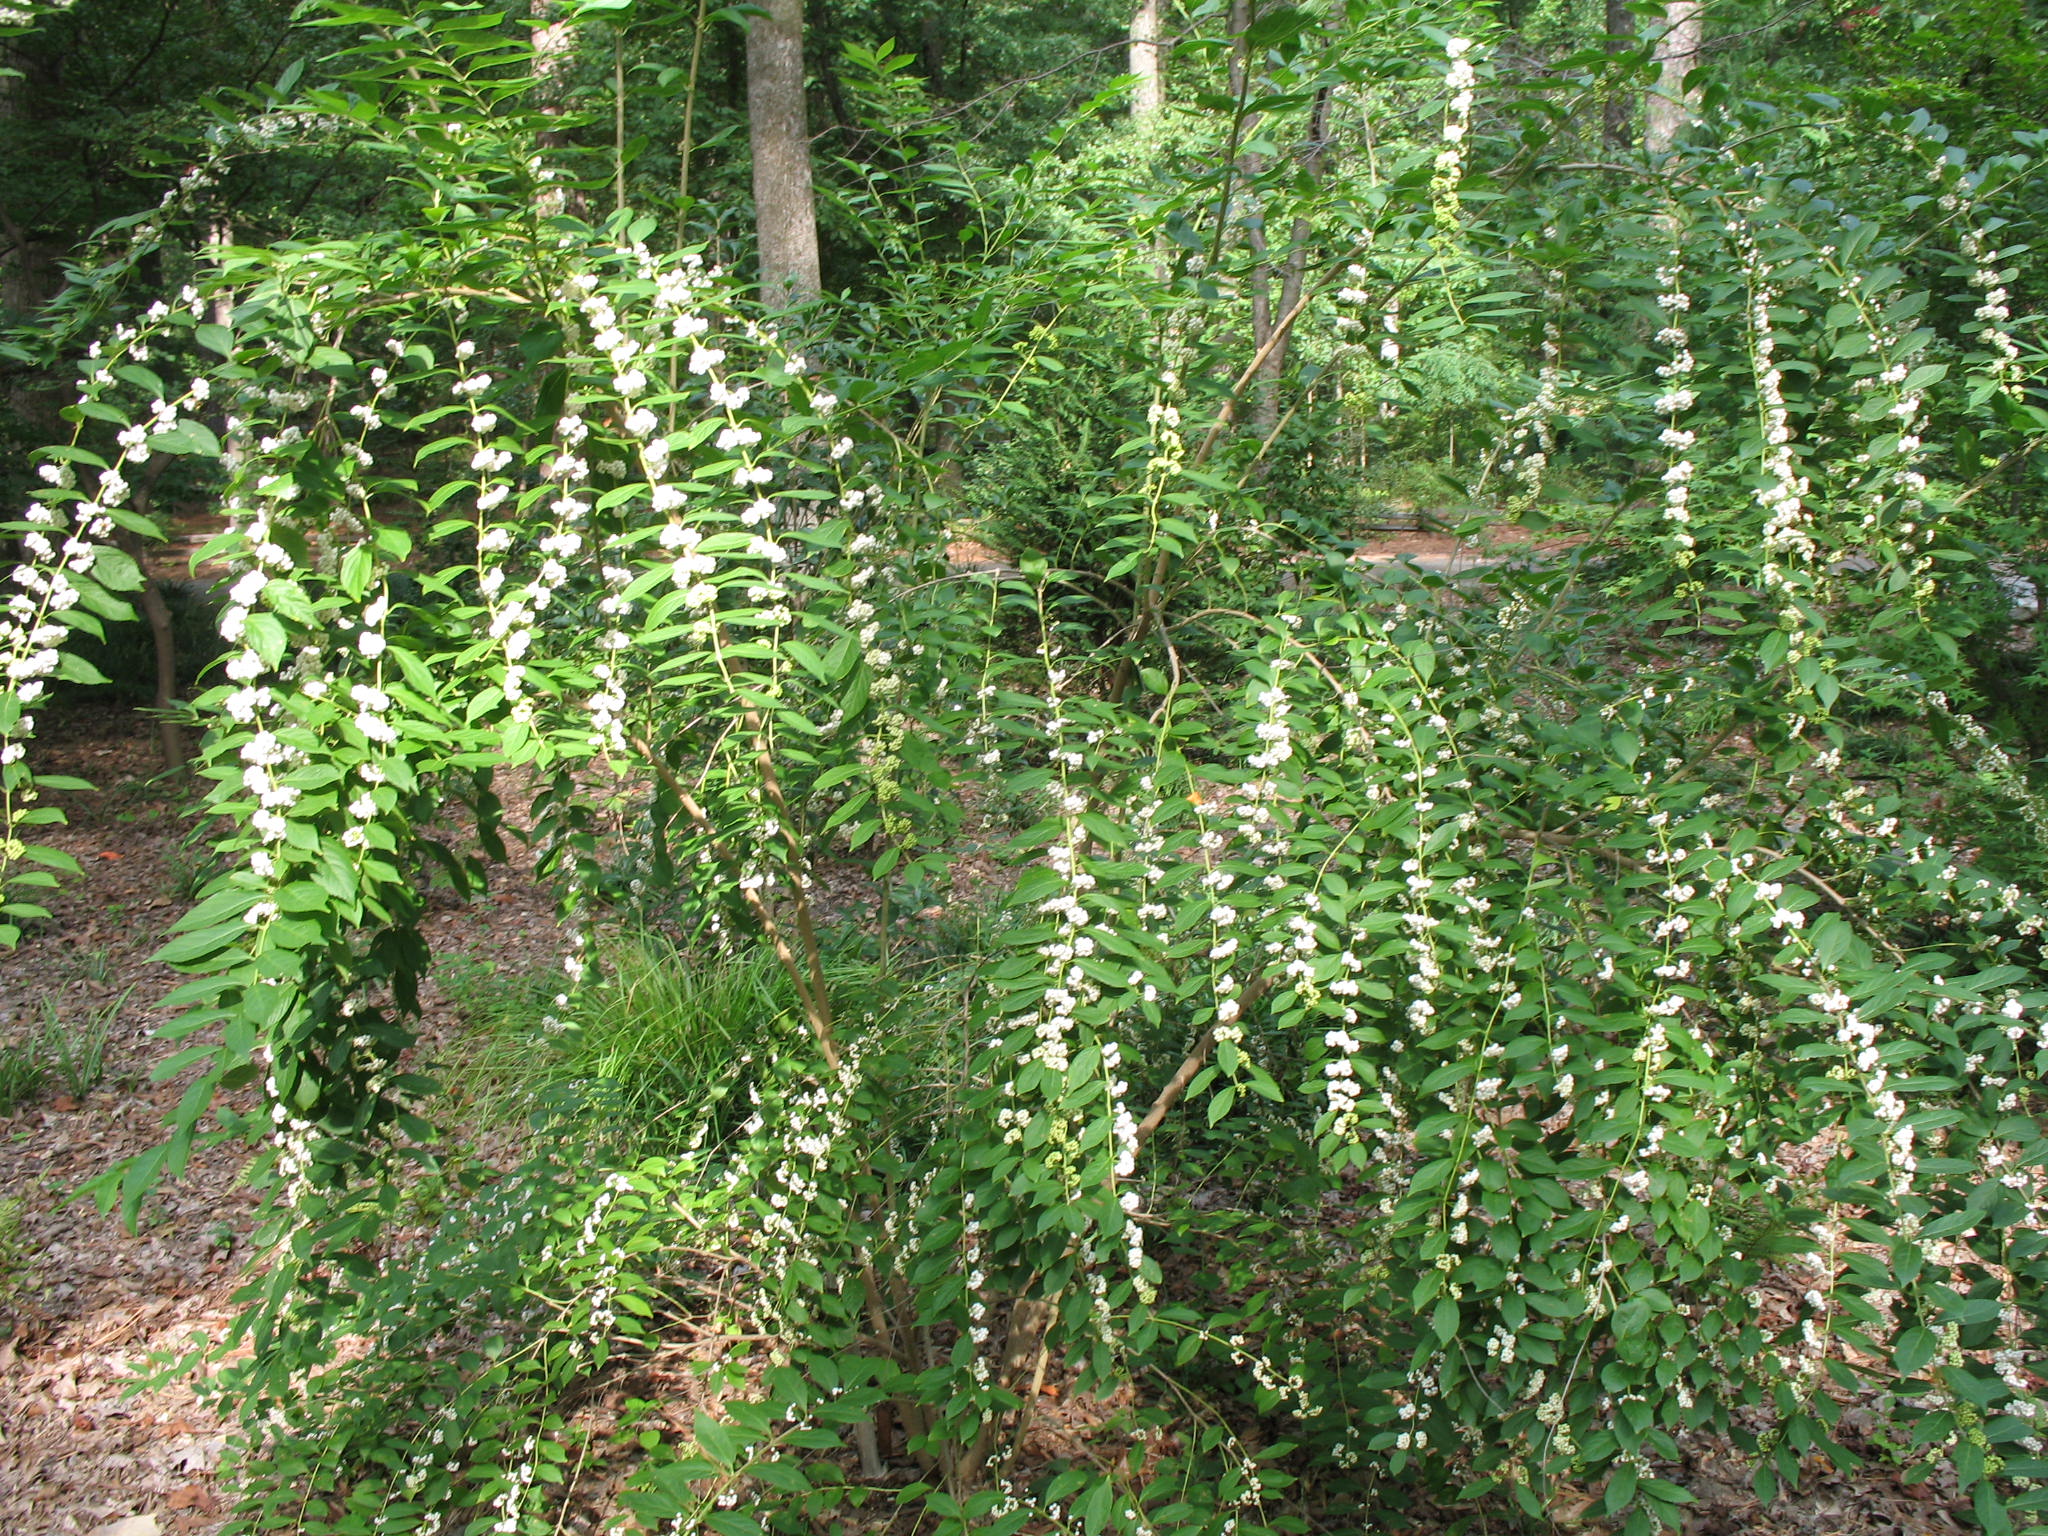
1229, 411
1190, 1068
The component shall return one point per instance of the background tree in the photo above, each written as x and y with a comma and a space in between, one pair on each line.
1669, 103
785, 214
1148, 60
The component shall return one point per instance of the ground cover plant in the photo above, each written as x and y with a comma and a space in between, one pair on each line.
1425, 1027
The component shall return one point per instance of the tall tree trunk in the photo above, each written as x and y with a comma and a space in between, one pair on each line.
29, 272
1678, 50
170, 736
785, 215
931, 49
553, 44
1265, 393
1621, 30
1294, 270
1148, 62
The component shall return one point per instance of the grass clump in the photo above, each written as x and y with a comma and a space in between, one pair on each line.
22, 1073
74, 1055
664, 1032
78, 1053
17, 1261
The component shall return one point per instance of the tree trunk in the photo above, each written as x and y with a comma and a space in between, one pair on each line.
553, 44
1621, 31
30, 274
1294, 270
931, 49
1265, 393
1148, 62
785, 216
1669, 104
170, 736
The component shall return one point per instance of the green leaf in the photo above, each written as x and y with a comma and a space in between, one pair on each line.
73, 668
1621, 1489
721, 1442
1631, 1317
188, 438
1913, 1349
265, 634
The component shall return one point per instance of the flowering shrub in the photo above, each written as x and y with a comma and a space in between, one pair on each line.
1418, 1017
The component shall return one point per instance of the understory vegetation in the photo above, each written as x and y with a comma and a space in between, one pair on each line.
1343, 1037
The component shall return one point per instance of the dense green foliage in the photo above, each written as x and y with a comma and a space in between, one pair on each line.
1426, 1026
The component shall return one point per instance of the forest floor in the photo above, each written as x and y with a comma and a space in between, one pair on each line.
82, 1451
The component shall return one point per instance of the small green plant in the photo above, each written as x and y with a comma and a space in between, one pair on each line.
79, 1052
22, 1073
663, 1032
17, 1261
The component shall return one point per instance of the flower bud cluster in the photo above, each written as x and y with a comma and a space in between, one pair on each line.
1788, 543
1449, 170
1977, 246
1674, 303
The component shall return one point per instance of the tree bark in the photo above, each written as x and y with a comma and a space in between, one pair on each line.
1621, 29
170, 736
931, 49
1148, 62
30, 274
785, 214
554, 42
1669, 104
1294, 270
1265, 393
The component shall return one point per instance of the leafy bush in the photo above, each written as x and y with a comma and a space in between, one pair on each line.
1416, 1009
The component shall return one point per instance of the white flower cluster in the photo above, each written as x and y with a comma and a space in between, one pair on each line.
1355, 295
1674, 303
977, 1294
1163, 417
291, 1135
260, 561
872, 576
1274, 733
28, 11
813, 1127
1994, 310
1977, 247
1123, 1137
611, 1259
1069, 987
1532, 435
66, 530
1459, 80
510, 1502
1788, 544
